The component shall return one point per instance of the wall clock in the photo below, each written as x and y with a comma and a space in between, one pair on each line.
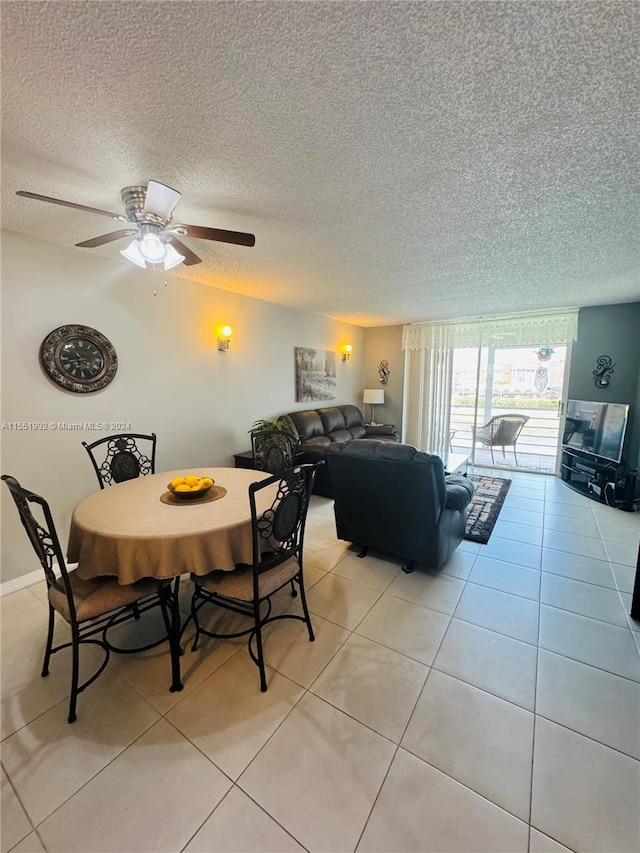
78, 358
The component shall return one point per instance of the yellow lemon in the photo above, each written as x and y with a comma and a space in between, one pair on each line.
177, 481
182, 488
192, 480
206, 483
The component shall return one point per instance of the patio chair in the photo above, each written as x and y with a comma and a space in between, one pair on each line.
501, 431
278, 535
120, 457
90, 607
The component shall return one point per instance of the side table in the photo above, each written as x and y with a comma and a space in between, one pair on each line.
244, 460
455, 463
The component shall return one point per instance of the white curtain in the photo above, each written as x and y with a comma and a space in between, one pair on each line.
428, 364
427, 388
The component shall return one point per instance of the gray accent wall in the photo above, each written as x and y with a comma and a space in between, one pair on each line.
385, 344
612, 330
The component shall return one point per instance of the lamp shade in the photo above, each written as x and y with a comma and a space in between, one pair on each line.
170, 258
132, 253
374, 396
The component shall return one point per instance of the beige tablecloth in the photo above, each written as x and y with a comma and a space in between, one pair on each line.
127, 531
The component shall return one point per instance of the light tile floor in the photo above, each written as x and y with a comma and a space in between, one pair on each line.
494, 706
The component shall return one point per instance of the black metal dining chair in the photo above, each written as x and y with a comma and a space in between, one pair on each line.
278, 537
121, 457
90, 607
274, 450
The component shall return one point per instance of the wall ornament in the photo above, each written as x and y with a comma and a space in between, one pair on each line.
603, 371
383, 372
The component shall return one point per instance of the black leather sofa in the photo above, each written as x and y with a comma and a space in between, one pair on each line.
397, 499
319, 429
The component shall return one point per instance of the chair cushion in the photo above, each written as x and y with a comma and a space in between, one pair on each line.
238, 584
98, 596
460, 491
390, 451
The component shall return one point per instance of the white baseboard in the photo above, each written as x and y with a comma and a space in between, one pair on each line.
20, 583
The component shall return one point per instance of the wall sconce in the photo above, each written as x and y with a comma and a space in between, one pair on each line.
225, 333
347, 349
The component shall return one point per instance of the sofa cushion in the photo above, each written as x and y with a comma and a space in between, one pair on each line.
352, 417
332, 419
315, 448
357, 431
307, 424
341, 436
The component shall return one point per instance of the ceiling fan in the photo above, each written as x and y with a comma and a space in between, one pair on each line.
149, 216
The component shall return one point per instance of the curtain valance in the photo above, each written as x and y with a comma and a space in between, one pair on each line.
507, 331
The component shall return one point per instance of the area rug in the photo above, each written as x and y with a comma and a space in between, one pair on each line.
485, 506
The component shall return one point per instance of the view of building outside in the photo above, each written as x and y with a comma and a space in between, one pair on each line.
509, 380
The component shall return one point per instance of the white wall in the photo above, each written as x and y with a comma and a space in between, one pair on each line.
171, 378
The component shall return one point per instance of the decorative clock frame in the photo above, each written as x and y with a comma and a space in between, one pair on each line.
78, 358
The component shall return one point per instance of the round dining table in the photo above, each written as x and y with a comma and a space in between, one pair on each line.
138, 529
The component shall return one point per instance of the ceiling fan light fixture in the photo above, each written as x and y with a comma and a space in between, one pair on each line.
173, 258
149, 216
137, 253
152, 249
132, 253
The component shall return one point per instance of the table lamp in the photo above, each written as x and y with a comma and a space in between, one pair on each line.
373, 396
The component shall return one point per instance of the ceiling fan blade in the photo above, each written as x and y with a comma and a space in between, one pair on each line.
26, 194
106, 238
160, 200
190, 258
219, 234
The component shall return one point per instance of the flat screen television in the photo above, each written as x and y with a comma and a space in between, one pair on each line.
597, 428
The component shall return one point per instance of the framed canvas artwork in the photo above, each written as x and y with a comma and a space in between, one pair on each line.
315, 374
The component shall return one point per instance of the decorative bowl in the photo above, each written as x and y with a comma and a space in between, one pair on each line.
192, 493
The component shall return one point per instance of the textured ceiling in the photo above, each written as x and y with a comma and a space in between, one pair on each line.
396, 161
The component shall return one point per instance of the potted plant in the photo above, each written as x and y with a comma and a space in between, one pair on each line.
544, 353
280, 424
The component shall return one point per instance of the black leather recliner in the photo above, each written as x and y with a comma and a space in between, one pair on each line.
397, 499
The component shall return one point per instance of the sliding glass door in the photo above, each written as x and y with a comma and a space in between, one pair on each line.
491, 383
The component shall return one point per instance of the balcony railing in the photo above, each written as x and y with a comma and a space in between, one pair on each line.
537, 443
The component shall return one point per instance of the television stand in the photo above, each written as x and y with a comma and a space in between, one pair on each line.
610, 483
